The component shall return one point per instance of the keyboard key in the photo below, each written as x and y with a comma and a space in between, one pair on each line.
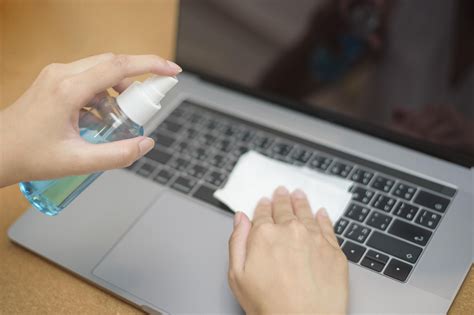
362, 195
184, 184
383, 202
170, 126
357, 212
179, 112
405, 210
383, 183
340, 226
362, 176
340, 169
281, 148
199, 154
205, 193
184, 148
410, 232
179, 163
246, 135
379, 220
196, 118
224, 145
218, 160
162, 140
229, 130
197, 170
432, 201
428, 219
372, 264
404, 191
394, 247
191, 134
212, 124
357, 232
353, 251
159, 156
239, 150
398, 270
206, 139
163, 176
146, 169
301, 156
262, 141
320, 162
215, 178
373, 255
134, 165
340, 240
230, 165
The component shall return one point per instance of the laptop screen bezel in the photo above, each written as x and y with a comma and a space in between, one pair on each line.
319, 112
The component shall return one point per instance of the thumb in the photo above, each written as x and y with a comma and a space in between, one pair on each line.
117, 154
238, 243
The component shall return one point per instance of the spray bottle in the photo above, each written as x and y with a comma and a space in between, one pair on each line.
107, 119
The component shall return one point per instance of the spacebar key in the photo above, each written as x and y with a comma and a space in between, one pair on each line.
395, 247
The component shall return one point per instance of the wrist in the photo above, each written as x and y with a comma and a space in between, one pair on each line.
10, 157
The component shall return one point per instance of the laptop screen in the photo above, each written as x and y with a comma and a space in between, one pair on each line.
401, 70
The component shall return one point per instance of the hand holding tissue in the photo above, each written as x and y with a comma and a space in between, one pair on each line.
256, 176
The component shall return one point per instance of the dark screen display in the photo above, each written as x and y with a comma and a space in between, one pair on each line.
400, 69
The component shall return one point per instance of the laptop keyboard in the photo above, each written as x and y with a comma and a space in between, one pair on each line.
386, 226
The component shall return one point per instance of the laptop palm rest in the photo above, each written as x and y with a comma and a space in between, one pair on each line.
175, 258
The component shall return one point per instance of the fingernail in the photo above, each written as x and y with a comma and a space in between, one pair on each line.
264, 201
237, 218
174, 66
281, 191
323, 212
146, 145
299, 194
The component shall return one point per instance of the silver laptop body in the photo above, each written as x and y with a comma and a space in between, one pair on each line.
166, 251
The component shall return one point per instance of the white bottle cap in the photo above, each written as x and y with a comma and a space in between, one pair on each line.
141, 100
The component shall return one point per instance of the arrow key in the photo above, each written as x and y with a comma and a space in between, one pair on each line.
353, 251
372, 264
398, 270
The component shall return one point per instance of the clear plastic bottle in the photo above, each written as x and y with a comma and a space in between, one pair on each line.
106, 119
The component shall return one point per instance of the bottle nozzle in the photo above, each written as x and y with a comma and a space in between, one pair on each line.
142, 99
162, 84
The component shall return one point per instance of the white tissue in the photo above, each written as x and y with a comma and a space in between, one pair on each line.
255, 176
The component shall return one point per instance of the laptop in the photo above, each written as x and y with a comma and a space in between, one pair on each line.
313, 83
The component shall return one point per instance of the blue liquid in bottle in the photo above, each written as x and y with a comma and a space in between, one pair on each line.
103, 122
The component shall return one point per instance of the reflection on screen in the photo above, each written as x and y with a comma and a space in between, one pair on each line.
404, 65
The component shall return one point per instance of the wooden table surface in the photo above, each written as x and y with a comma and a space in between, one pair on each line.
34, 33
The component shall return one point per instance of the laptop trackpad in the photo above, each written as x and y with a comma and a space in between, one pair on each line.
174, 257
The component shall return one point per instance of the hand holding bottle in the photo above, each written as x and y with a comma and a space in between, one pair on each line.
39, 133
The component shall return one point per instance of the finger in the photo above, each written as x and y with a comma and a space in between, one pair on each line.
90, 158
302, 210
301, 206
238, 243
282, 207
123, 85
326, 227
81, 65
263, 212
112, 72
